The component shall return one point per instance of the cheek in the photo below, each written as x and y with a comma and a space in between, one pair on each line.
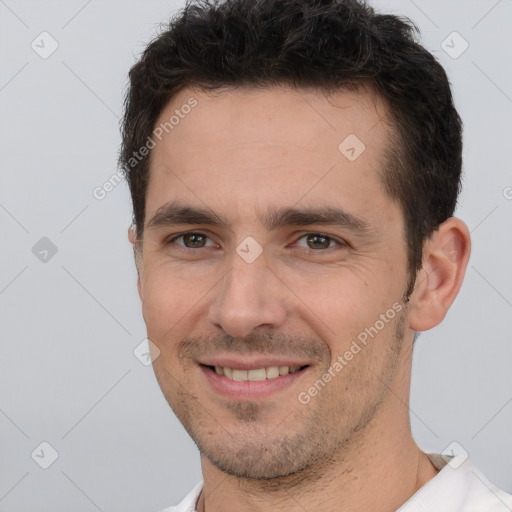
173, 298
341, 304
165, 299
166, 313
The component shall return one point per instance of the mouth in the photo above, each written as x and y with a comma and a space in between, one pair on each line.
255, 374
243, 381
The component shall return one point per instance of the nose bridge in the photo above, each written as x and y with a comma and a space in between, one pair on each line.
247, 297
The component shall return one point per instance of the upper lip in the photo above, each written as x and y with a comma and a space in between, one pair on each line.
252, 363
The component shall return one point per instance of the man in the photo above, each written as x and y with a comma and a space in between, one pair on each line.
294, 167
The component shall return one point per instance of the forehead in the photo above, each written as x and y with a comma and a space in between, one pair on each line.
276, 114
254, 145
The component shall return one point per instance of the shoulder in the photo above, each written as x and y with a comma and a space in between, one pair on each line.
484, 495
460, 486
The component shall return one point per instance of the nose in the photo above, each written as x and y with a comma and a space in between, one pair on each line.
249, 296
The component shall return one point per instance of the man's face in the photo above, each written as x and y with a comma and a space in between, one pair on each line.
210, 298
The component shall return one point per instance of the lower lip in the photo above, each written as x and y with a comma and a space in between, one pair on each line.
250, 390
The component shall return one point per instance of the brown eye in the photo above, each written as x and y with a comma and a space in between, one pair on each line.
318, 241
191, 240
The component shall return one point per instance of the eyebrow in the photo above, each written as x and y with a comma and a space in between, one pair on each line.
174, 213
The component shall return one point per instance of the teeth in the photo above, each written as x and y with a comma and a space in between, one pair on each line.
256, 374
259, 374
239, 374
272, 372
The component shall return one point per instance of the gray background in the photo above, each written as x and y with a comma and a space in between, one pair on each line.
70, 324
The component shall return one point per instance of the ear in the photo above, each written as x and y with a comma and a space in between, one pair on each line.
445, 258
132, 237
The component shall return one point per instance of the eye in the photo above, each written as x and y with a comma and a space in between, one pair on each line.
197, 240
317, 241
191, 240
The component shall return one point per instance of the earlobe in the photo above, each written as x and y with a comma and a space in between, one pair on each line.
445, 258
132, 234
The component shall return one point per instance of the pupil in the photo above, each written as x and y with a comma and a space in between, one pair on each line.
323, 245
193, 237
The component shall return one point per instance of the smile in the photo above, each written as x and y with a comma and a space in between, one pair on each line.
257, 374
255, 381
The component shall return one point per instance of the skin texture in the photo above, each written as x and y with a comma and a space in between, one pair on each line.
239, 153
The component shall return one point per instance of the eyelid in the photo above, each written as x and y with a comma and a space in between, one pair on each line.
173, 238
339, 242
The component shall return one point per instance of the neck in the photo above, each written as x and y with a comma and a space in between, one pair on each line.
379, 469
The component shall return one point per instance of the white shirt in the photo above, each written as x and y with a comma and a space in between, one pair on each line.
458, 487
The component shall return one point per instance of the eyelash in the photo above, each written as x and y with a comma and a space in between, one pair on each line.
340, 243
